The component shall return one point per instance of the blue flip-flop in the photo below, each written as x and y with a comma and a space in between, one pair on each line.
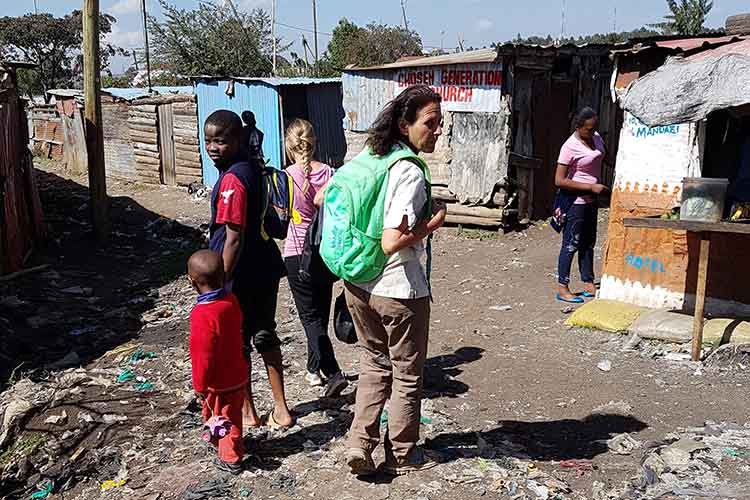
574, 300
588, 295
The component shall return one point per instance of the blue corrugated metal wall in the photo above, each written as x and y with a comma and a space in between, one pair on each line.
258, 97
327, 114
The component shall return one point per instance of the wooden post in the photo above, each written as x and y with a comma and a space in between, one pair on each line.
700, 295
99, 204
145, 41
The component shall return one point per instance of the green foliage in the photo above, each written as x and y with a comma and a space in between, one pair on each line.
370, 45
346, 35
597, 38
686, 17
213, 40
54, 45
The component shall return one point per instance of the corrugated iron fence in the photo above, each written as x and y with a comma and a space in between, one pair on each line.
20, 209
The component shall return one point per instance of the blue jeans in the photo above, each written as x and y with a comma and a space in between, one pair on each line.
579, 235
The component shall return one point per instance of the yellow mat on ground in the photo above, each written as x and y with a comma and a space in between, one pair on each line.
728, 330
607, 315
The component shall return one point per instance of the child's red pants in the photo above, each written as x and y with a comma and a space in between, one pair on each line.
227, 405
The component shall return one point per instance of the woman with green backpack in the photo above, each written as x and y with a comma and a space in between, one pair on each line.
390, 306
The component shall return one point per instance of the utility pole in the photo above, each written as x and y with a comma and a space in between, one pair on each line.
273, 34
403, 11
460, 42
562, 23
315, 29
145, 40
99, 203
135, 59
614, 23
36, 10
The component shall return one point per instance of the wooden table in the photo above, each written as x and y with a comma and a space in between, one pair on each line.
704, 229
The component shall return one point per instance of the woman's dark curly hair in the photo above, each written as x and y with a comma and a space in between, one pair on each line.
583, 115
385, 132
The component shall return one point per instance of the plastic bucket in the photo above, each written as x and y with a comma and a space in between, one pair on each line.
703, 199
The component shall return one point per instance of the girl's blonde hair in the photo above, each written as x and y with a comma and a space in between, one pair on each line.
300, 145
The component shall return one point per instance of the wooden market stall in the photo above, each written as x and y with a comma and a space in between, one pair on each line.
686, 117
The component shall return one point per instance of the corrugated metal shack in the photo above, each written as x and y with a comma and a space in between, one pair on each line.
653, 267
472, 155
275, 103
148, 137
21, 222
507, 112
46, 131
547, 86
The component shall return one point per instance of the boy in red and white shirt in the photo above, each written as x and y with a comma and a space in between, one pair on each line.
220, 370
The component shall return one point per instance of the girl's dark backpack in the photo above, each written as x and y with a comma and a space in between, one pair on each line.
311, 266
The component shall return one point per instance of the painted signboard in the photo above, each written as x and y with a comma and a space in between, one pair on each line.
463, 87
655, 156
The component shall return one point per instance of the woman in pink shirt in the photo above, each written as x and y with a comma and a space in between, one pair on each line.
312, 296
578, 175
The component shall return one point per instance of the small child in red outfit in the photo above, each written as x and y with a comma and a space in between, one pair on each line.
220, 370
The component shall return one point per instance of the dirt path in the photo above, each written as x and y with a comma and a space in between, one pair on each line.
510, 394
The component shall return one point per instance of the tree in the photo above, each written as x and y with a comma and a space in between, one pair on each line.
54, 45
597, 38
687, 17
371, 45
213, 40
340, 49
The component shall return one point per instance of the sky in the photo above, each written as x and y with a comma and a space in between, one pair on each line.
439, 22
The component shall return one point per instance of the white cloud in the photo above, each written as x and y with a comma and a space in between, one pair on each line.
125, 7
484, 25
125, 39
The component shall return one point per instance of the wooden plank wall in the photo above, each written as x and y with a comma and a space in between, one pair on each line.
186, 143
142, 122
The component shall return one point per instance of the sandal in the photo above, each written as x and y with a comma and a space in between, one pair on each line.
588, 295
271, 422
574, 300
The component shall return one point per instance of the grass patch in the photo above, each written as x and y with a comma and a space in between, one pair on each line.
477, 234
24, 447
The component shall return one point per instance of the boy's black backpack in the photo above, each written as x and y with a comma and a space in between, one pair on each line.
278, 203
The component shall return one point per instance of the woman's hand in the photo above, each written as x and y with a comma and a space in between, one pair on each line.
439, 213
598, 188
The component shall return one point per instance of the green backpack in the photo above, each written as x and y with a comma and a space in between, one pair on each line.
353, 214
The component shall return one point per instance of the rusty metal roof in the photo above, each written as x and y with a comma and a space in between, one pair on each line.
741, 47
678, 45
688, 44
470, 57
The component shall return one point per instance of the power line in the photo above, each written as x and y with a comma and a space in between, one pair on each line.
305, 30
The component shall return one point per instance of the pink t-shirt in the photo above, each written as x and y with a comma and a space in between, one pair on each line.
304, 203
584, 164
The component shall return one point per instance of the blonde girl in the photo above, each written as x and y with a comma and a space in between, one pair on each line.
312, 296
